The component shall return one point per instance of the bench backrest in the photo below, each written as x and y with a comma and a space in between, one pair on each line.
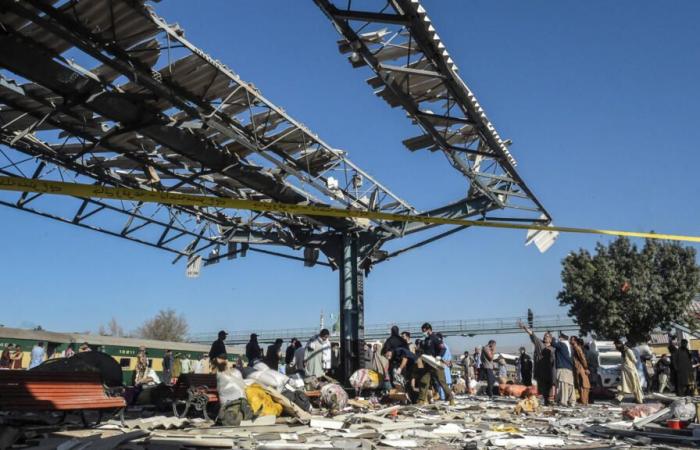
37, 390
197, 379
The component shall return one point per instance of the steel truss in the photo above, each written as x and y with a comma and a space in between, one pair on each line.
106, 91
413, 70
157, 112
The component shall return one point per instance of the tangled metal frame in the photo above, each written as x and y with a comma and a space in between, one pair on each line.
108, 92
154, 111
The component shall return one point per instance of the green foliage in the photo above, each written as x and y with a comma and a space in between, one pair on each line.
624, 291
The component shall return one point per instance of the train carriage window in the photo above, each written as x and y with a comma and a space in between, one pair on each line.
125, 362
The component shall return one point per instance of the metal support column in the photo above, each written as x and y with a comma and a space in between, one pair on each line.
352, 308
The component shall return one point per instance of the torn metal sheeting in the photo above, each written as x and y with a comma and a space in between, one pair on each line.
156, 110
413, 70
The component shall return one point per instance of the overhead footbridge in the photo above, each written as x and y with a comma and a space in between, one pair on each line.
465, 328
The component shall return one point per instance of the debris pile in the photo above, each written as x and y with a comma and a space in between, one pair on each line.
473, 423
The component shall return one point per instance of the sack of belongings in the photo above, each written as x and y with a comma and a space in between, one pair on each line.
299, 398
683, 409
640, 411
399, 380
334, 397
234, 412
260, 401
529, 403
230, 386
268, 377
365, 379
246, 371
460, 387
473, 385
295, 383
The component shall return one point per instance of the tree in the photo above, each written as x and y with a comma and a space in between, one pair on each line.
167, 325
112, 329
624, 291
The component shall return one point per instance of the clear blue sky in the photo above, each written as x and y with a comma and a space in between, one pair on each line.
600, 99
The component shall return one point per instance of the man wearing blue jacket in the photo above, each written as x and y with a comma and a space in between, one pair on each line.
566, 395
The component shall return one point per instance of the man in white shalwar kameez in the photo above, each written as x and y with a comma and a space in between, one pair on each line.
313, 354
631, 383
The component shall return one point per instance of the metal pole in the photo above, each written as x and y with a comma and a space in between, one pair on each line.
352, 308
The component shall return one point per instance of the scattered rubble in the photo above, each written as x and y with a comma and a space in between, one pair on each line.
474, 423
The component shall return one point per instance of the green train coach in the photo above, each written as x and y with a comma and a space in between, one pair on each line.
123, 350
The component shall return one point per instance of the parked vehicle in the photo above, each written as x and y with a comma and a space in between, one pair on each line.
609, 360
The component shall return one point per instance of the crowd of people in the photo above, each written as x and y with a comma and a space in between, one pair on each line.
173, 365
318, 357
13, 355
397, 361
564, 368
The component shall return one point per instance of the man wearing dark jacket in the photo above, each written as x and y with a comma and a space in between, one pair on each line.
274, 353
672, 350
392, 344
663, 371
682, 362
253, 352
394, 341
525, 367
168, 363
218, 347
294, 344
432, 346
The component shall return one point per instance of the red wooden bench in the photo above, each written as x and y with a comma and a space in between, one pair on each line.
195, 390
22, 390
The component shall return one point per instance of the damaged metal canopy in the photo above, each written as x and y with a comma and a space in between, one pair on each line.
413, 70
108, 92
106, 89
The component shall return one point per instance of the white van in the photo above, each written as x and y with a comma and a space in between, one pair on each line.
609, 360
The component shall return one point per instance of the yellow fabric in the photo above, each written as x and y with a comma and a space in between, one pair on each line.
505, 429
527, 405
260, 401
177, 368
375, 377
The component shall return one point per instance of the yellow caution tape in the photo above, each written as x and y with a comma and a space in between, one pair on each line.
171, 198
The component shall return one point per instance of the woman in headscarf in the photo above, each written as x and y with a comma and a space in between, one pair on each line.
543, 357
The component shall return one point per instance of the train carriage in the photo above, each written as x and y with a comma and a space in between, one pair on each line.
124, 350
